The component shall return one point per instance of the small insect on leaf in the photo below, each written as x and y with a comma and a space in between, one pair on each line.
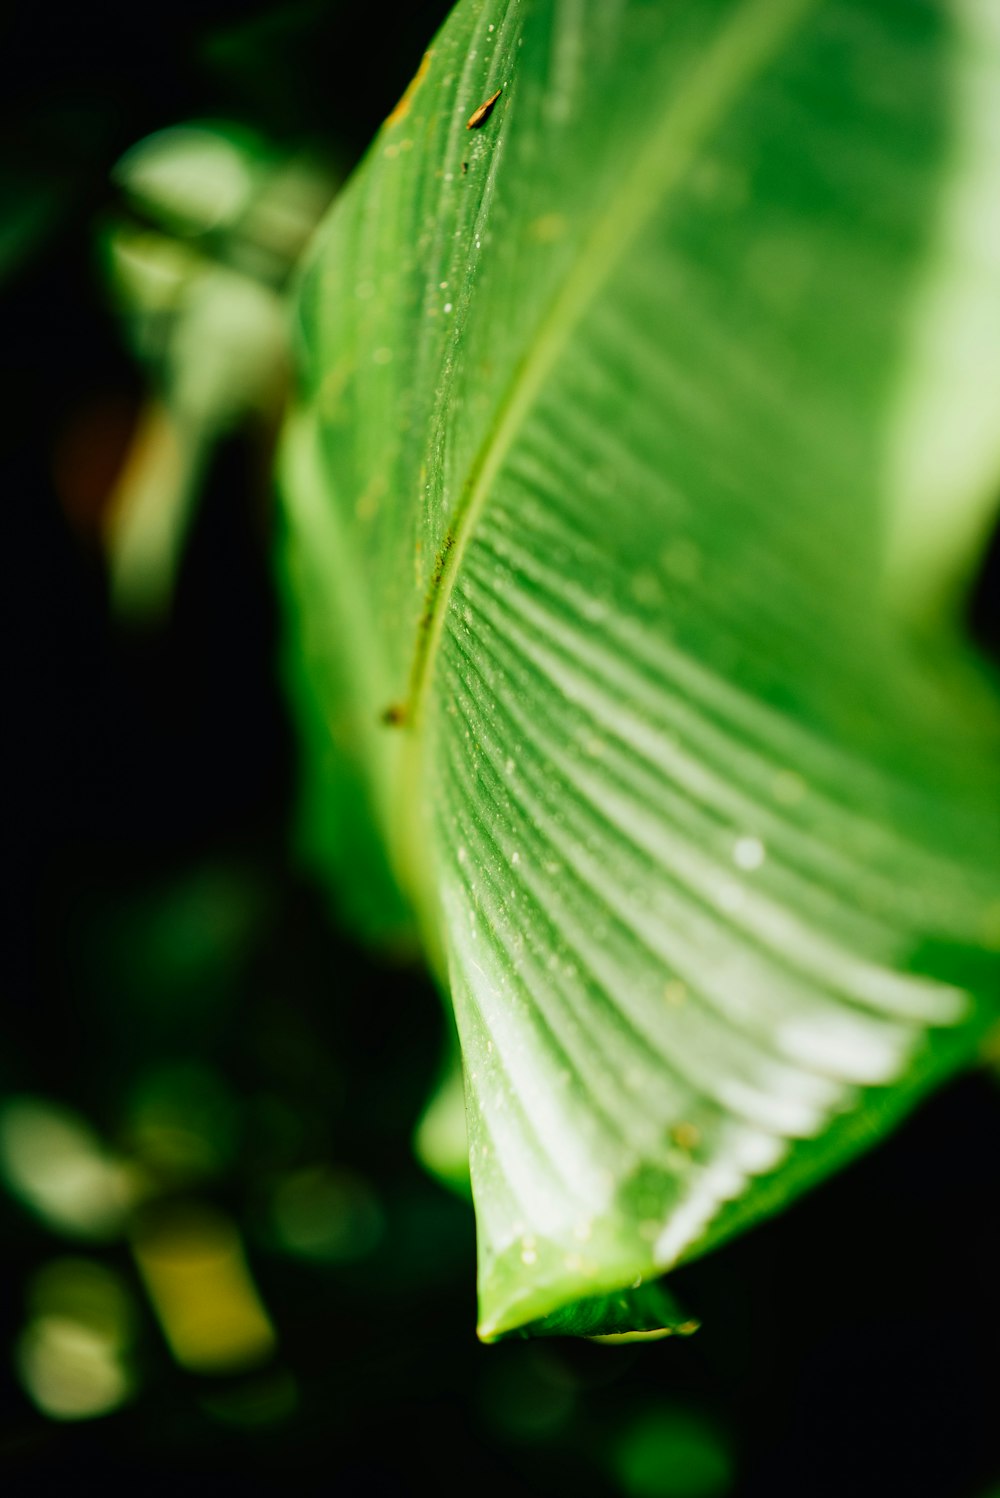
479, 116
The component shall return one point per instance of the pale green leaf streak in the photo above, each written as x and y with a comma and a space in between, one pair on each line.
944, 448
745, 44
757, 29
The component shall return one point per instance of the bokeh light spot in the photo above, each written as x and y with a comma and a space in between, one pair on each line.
322, 1213
73, 1356
192, 1261
53, 1161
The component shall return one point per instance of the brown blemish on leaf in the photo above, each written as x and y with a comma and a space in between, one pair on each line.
427, 617
479, 116
446, 545
548, 228
685, 1136
395, 715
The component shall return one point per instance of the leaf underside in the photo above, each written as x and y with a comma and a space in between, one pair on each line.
600, 495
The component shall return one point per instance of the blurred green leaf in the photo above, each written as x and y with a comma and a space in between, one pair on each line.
673, 1453
441, 1141
182, 1122
326, 1214
630, 548
180, 945
641, 1313
197, 269
29, 209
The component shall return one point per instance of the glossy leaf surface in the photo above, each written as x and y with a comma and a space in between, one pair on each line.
646, 448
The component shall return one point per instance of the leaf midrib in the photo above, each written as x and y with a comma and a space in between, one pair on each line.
745, 44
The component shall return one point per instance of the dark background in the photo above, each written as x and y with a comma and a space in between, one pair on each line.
154, 913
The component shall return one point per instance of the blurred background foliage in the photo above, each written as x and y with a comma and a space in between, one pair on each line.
222, 1264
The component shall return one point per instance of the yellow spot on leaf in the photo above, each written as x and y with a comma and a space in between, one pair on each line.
402, 109
549, 227
622, 1339
685, 1135
991, 927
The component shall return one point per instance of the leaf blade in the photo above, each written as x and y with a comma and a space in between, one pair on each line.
712, 849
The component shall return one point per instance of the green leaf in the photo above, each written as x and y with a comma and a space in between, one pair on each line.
640, 1313
644, 454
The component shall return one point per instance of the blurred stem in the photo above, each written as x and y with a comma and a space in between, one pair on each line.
150, 511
